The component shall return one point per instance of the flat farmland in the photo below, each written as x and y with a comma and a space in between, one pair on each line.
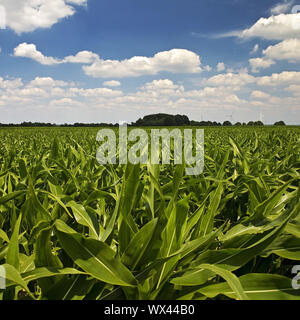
71, 228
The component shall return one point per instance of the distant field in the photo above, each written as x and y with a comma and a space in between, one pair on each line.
72, 229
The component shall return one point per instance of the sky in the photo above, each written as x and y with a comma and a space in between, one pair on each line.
67, 61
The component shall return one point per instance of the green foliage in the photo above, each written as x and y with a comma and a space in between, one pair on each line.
72, 229
162, 119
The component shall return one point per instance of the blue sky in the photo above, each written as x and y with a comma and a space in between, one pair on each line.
113, 60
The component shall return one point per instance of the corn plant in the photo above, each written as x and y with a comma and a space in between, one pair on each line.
71, 229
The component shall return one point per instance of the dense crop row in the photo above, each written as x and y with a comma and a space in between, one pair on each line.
72, 229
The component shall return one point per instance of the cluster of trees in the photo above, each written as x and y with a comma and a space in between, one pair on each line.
205, 124
250, 123
162, 119
279, 123
154, 120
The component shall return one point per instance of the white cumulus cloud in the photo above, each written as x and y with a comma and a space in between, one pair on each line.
286, 50
260, 63
160, 85
29, 15
30, 51
280, 79
295, 89
41, 98
47, 82
257, 94
112, 83
83, 57
220, 66
280, 27
230, 80
174, 61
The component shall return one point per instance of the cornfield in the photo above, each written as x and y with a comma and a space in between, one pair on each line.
71, 229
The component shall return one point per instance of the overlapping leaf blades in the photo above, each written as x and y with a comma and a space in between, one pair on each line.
71, 229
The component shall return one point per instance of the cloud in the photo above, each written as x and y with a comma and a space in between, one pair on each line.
97, 92
33, 92
174, 61
47, 82
83, 57
162, 87
112, 83
280, 27
260, 63
280, 79
230, 34
282, 7
230, 80
231, 83
295, 89
30, 15
286, 50
259, 95
220, 66
276, 27
30, 51
65, 102
10, 84
40, 98
255, 49
164, 84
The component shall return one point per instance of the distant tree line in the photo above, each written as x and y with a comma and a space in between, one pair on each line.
162, 119
154, 120
42, 124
